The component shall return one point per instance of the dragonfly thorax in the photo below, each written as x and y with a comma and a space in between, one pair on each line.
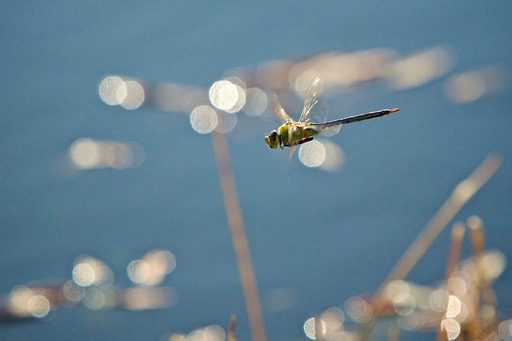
289, 135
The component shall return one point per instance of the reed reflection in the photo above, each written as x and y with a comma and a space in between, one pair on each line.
212, 332
472, 85
86, 153
92, 285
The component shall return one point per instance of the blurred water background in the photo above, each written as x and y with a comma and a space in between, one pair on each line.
317, 237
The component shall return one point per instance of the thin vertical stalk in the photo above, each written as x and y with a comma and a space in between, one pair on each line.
231, 333
484, 295
458, 231
240, 244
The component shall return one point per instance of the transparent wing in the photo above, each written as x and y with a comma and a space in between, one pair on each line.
280, 113
329, 129
292, 150
315, 106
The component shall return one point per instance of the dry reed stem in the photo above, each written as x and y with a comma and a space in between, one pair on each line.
393, 333
485, 294
458, 231
239, 239
460, 196
477, 239
232, 323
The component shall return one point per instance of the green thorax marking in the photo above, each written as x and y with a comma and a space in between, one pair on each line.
298, 131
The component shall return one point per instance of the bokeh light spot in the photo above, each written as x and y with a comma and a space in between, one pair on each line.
18, 300
409, 322
94, 299
110, 88
88, 271
334, 157
494, 263
358, 309
138, 271
134, 95
438, 300
227, 96
84, 153
465, 87
312, 154
163, 262
227, 122
454, 306
505, 330
88, 154
84, 274
72, 291
458, 283
451, 327
39, 306
396, 288
209, 333
310, 328
203, 119
333, 318
153, 267
256, 102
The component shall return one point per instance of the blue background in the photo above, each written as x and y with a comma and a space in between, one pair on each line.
324, 236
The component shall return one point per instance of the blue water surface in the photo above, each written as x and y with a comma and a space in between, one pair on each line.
325, 237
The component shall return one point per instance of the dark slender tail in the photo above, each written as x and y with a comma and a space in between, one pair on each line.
367, 116
360, 117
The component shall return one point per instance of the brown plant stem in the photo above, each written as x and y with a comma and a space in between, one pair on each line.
239, 239
458, 231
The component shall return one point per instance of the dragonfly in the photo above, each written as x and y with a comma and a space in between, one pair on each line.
312, 121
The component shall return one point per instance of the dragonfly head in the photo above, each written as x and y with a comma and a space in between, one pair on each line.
272, 139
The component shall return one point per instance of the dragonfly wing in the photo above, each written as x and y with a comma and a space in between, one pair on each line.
331, 130
280, 113
315, 106
327, 129
292, 150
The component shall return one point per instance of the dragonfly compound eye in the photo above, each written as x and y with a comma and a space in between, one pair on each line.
271, 139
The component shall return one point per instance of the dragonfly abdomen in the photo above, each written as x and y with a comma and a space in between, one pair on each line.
355, 118
367, 116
